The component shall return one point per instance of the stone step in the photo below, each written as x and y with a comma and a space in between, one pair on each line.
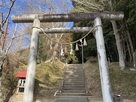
73, 84
73, 88
74, 91
74, 81
68, 79
71, 99
73, 67
72, 94
75, 75
62, 94
74, 70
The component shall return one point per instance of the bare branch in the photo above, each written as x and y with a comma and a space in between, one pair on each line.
61, 36
13, 36
13, 1
4, 35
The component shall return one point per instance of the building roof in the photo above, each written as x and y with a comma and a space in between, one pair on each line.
21, 74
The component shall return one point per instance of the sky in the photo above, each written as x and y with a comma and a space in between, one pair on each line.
59, 7
26, 7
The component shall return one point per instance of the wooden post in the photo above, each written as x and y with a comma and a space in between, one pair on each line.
103, 66
30, 77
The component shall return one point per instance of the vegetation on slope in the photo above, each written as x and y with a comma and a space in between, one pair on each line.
48, 78
47, 81
122, 82
9, 81
49, 75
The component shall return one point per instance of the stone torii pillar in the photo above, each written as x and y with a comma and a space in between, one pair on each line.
30, 77
103, 67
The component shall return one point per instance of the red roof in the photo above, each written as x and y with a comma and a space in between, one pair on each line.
21, 74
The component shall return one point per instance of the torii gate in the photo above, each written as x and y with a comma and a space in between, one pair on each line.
37, 18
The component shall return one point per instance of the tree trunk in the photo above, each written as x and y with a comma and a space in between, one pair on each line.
118, 41
0, 59
119, 46
130, 41
4, 35
129, 51
55, 51
0, 83
134, 56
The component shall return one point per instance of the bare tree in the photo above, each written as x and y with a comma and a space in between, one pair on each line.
118, 40
3, 21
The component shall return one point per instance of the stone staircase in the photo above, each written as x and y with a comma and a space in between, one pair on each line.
74, 82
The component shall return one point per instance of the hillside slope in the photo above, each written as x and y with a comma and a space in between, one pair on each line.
48, 80
122, 82
49, 77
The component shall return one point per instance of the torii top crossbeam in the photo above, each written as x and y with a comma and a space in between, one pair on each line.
67, 17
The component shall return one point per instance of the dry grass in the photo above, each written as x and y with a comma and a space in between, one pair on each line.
49, 75
93, 77
48, 78
9, 81
122, 82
